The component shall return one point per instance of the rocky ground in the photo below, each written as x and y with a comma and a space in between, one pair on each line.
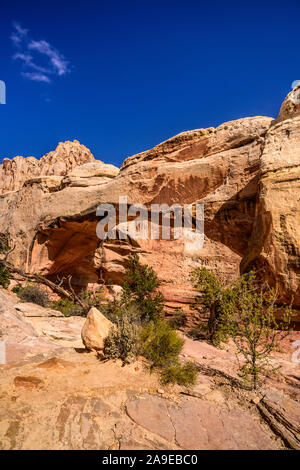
55, 395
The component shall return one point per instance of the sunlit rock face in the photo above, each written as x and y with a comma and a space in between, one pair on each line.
274, 242
245, 172
67, 155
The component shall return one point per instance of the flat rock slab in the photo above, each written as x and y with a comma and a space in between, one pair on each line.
209, 356
19, 336
28, 349
203, 387
197, 424
29, 309
151, 412
63, 331
20, 340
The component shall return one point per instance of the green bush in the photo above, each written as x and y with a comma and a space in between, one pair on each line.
252, 323
92, 298
140, 328
217, 299
4, 277
140, 287
197, 332
17, 288
112, 310
246, 311
179, 319
122, 341
4, 273
4, 243
139, 296
185, 374
67, 307
160, 343
32, 293
116, 309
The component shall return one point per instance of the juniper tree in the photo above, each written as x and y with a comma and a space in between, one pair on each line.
140, 287
4, 250
251, 320
215, 297
247, 312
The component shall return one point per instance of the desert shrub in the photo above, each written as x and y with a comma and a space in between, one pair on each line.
122, 340
182, 374
178, 320
139, 296
32, 293
4, 273
251, 322
17, 288
140, 287
70, 307
198, 332
92, 298
67, 307
116, 309
4, 277
216, 298
113, 309
246, 311
160, 343
140, 328
4, 243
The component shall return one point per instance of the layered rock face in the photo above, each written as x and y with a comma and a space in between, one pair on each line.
245, 172
274, 243
216, 167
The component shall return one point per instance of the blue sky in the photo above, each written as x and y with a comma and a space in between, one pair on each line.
123, 76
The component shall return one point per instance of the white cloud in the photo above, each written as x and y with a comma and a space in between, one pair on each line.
27, 60
18, 35
58, 62
36, 76
30, 51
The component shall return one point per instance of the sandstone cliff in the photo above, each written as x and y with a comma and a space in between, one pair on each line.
274, 242
246, 172
66, 156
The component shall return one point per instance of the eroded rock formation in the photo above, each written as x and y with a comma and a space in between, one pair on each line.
246, 172
274, 242
66, 157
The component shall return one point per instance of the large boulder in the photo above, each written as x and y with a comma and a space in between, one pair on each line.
95, 330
